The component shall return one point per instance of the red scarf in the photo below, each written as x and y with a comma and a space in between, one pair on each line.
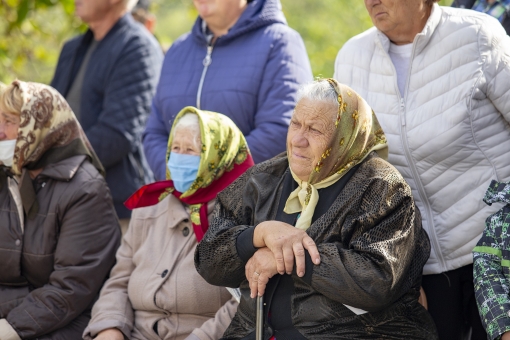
151, 194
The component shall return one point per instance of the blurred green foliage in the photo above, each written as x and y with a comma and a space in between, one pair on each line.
32, 31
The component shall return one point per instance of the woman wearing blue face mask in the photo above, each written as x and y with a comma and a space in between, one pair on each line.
154, 291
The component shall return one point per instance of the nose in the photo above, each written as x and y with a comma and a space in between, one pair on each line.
299, 140
2, 132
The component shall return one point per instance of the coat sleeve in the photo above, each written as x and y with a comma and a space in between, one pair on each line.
286, 69
155, 141
492, 288
114, 309
496, 69
85, 252
216, 326
374, 264
126, 103
216, 256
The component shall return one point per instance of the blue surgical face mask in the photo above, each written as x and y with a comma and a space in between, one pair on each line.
183, 169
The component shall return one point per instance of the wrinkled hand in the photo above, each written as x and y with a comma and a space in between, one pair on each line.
259, 269
110, 334
286, 242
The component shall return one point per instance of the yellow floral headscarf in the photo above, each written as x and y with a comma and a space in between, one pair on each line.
357, 133
224, 157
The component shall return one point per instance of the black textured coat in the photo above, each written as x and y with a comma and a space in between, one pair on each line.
372, 248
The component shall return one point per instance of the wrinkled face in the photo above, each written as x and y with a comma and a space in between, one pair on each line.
187, 142
217, 10
391, 16
9, 125
310, 131
91, 10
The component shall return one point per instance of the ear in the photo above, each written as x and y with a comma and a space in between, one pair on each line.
150, 23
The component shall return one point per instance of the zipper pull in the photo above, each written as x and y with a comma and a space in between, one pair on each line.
208, 60
403, 112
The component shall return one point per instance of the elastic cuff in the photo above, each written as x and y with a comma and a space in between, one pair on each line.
7, 332
244, 244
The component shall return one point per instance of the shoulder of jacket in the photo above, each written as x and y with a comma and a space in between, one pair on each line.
168, 203
376, 168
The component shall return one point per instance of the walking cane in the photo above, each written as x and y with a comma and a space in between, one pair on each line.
259, 326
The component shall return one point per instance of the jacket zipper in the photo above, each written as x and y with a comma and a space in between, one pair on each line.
412, 166
207, 61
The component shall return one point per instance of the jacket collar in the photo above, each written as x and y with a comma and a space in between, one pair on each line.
258, 13
421, 39
177, 212
65, 169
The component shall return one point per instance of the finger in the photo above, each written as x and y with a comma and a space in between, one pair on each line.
261, 284
254, 284
279, 259
309, 245
248, 269
299, 254
288, 257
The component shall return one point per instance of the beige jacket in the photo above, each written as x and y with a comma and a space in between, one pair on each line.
155, 280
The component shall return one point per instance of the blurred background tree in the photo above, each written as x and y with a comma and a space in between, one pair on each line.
32, 31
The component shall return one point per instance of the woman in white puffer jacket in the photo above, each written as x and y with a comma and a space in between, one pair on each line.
438, 79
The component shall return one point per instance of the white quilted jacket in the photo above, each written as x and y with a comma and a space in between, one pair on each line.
450, 134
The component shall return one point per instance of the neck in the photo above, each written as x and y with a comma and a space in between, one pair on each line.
405, 35
221, 27
102, 26
34, 173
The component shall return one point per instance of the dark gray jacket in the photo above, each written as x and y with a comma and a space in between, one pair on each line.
117, 91
53, 265
372, 248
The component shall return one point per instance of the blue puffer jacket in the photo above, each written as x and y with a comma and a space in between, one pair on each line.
253, 74
117, 91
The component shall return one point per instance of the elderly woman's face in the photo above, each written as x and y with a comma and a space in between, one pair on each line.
186, 141
392, 16
9, 125
311, 129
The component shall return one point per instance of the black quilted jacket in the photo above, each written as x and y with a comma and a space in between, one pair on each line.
372, 248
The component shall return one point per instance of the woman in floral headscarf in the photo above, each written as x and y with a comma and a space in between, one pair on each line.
328, 233
58, 228
154, 291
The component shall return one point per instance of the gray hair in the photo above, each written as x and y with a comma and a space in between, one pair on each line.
189, 121
318, 90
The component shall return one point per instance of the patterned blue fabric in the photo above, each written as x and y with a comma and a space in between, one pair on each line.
253, 78
492, 265
498, 9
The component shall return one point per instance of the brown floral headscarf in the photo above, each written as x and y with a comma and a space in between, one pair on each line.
48, 130
357, 133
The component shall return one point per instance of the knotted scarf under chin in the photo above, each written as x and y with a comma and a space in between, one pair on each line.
304, 199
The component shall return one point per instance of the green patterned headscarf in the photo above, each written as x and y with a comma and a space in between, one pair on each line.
224, 157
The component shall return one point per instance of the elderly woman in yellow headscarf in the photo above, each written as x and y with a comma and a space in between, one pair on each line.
154, 291
328, 232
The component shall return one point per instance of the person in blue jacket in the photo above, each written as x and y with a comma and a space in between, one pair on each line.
240, 59
109, 76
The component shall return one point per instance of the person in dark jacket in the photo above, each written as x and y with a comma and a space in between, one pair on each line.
109, 76
58, 229
328, 233
240, 59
